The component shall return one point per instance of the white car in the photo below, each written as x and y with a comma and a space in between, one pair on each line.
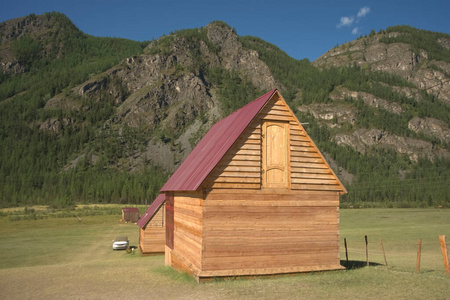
121, 242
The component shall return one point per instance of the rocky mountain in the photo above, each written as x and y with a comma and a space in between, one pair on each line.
429, 77
389, 51
168, 90
27, 39
101, 120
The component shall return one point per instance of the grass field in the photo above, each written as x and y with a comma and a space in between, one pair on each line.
58, 258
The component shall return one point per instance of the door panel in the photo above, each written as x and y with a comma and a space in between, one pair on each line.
275, 154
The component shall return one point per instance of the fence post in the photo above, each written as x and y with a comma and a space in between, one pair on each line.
367, 250
444, 254
419, 249
346, 253
384, 254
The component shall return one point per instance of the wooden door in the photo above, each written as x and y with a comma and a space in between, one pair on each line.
275, 154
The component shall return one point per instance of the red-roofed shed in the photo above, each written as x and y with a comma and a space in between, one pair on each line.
254, 197
152, 227
130, 214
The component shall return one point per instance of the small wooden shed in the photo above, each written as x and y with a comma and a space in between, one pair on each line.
130, 214
152, 238
254, 197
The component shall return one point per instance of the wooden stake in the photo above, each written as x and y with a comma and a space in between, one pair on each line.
384, 254
346, 253
444, 254
419, 249
367, 251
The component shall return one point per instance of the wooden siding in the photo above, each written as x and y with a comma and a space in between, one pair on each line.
130, 215
242, 166
251, 232
152, 237
187, 244
152, 240
158, 220
309, 170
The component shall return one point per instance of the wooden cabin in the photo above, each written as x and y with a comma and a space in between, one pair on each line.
152, 228
254, 197
130, 214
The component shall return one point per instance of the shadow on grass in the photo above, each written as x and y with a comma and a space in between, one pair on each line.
355, 264
174, 275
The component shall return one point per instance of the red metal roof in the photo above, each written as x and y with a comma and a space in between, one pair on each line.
151, 210
210, 150
130, 210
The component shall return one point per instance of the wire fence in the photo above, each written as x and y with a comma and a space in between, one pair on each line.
429, 256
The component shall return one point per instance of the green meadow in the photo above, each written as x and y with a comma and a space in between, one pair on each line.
63, 257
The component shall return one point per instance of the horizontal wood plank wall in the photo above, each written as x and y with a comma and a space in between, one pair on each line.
152, 240
241, 165
152, 237
159, 219
188, 231
240, 168
276, 110
261, 230
309, 171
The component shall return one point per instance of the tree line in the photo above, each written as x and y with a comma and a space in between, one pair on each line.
58, 165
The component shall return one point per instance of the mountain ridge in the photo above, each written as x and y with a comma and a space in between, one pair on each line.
135, 118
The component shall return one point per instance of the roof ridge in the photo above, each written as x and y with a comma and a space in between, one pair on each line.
243, 107
151, 210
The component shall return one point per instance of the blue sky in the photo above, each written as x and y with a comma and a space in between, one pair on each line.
303, 29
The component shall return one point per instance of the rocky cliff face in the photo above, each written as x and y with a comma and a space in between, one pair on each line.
426, 76
44, 31
232, 56
11, 30
431, 127
362, 139
341, 93
166, 90
396, 58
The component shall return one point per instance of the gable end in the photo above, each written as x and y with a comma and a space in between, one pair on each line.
242, 165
